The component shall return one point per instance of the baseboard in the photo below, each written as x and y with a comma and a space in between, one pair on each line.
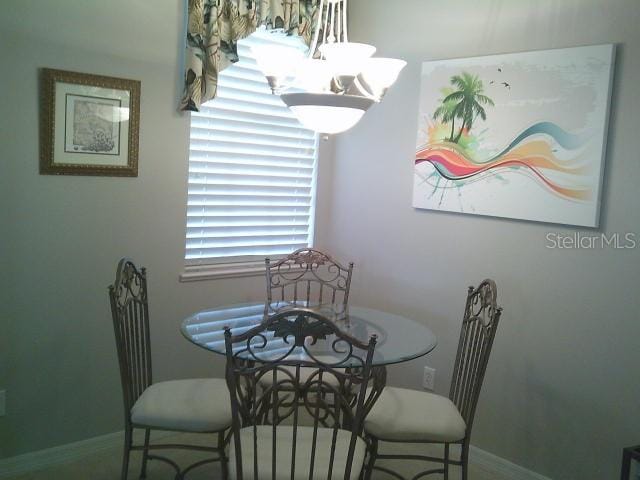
495, 467
498, 468
32, 461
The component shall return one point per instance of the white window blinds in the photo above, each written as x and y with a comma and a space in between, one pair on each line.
252, 169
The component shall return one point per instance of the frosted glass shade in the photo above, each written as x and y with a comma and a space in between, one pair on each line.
381, 73
277, 62
313, 75
327, 113
347, 58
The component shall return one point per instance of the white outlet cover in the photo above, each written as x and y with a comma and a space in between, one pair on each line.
429, 378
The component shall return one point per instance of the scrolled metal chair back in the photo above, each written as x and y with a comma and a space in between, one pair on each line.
279, 385
481, 317
308, 277
130, 312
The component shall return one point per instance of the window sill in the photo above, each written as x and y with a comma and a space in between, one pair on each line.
194, 273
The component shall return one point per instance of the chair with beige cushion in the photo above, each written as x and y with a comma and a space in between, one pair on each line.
307, 277
312, 427
199, 405
410, 416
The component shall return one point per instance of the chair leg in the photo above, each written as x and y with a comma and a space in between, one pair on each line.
128, 431
446, 461
373, 454
145, 454
465, 460
223, 456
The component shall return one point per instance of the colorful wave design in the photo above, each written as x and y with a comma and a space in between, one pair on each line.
534, 155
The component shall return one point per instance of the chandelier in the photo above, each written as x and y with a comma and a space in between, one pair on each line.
330, 88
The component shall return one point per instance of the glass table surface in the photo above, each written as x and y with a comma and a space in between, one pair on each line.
399, 339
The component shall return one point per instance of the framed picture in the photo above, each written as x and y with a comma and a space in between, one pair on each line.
89, 124
520, 135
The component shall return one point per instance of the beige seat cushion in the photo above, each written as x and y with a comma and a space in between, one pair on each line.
403, 414
284, 449
193, 405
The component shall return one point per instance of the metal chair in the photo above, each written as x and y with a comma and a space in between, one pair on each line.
308, 277
298, 427
410, 416
193, 405
629, 455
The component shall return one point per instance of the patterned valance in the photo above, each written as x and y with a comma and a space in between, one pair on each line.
215, 26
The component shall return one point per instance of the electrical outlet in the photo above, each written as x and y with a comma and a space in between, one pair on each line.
3, 403
429, 378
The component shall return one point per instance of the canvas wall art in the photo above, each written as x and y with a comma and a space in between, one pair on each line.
519, 135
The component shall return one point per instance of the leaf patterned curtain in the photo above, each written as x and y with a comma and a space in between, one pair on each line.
214, 28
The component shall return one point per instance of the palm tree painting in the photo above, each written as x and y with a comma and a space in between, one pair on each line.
466, 103
516, 135
447, 113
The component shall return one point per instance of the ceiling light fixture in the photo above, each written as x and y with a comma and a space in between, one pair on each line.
331, 93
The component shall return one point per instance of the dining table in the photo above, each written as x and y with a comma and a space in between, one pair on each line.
399, 338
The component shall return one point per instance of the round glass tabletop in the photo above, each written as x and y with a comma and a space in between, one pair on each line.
399, 338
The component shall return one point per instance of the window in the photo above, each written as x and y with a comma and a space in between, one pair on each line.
252, 174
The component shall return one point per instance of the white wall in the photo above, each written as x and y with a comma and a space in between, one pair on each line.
561, 395
61, 236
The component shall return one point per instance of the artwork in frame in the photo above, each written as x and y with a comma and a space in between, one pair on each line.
519, 135
89, 124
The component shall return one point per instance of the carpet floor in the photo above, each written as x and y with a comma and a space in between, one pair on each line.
106, 465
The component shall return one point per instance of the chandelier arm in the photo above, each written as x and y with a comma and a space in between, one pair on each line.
314, 42
362, 91
322, 24
330, 22
338, 24
344, 21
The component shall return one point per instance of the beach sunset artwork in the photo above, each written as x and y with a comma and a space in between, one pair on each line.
519, 135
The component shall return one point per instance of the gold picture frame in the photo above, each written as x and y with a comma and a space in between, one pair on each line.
89, 124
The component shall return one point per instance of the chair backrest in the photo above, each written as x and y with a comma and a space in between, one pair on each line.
479, 325
308, 277
130, 312
277, 380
